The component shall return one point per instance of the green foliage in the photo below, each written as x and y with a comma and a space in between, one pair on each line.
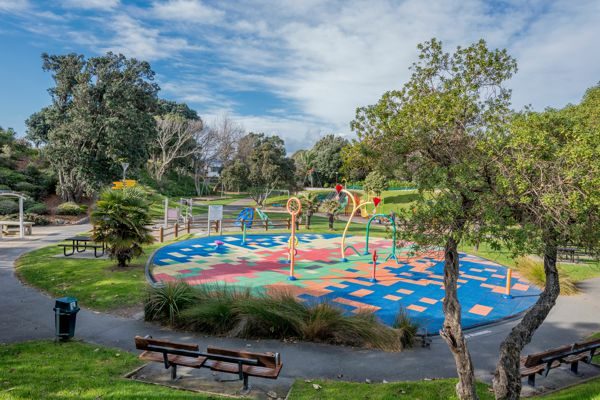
101, 113
39, 220
37, 208
375, 182
120, 220
561, 204
69, 208
235, 176
326, 157
164, 302
8, 206
434, 124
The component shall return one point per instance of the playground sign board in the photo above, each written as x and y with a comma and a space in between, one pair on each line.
215, 213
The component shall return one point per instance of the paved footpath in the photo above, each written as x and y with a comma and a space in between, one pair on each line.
27, 314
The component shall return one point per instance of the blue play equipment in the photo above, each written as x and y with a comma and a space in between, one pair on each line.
246, 215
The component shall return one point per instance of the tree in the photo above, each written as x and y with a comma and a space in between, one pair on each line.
101, 113
310, 205
549, 180
166, 107
326, 158
120, 220
176, 139
375, 182
436, 123
331, 208
235, 176
356, 161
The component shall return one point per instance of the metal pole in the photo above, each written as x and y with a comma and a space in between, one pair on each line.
21, 219
166, 224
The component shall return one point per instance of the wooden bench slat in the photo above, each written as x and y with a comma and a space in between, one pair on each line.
264, 359
261, 372
173, 359
142, 343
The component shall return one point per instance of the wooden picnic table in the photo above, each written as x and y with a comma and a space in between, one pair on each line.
80, 244
4, 225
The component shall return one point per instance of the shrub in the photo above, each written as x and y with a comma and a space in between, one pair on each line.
8, 207
533, 271
26, 187
37, 219
37, 208
10, 177
375, 182
69, 208
165, 302
121, 220
278, 315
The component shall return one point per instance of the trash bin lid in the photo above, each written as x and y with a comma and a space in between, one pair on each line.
66, 303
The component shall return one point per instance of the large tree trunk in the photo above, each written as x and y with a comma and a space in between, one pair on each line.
507, 378
452, 330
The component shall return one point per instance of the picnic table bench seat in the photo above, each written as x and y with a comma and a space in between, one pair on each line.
240, 362
542, 362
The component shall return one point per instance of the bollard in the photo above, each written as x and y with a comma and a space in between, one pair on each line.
189, 225
507, 294
161, 234
373, 275
176, 227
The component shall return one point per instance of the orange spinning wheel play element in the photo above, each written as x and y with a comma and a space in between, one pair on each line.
293, 207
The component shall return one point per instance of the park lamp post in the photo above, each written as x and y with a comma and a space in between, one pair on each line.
124, 165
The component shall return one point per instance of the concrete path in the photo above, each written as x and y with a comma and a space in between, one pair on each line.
28, 315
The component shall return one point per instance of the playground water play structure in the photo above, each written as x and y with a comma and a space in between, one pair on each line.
374, 273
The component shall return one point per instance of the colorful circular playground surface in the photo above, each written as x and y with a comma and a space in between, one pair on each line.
413, 281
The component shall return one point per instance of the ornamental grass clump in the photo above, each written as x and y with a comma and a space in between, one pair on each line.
164, 303
533, 271
238, 312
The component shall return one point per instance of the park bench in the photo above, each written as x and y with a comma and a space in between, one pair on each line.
541, 363
240, 362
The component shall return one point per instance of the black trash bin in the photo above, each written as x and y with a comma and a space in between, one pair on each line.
65, 311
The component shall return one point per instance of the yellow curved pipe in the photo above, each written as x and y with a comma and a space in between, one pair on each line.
342, 249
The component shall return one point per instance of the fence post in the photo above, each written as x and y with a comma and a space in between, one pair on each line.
289, 224
161, 234
218, 226
189, 225
266, 224
176, 230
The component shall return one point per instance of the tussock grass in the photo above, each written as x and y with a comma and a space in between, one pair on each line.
533, 271
166, 301
219, 310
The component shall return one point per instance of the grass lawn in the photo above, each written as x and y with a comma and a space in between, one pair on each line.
76, 370
100, 285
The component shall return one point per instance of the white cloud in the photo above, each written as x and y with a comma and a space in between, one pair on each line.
136, 40
187, 10
91, 4
12, 6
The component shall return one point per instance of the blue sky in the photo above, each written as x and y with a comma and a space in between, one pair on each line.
299, 68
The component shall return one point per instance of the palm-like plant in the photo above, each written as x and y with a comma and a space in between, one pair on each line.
332, 208
120, 220
310, 205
